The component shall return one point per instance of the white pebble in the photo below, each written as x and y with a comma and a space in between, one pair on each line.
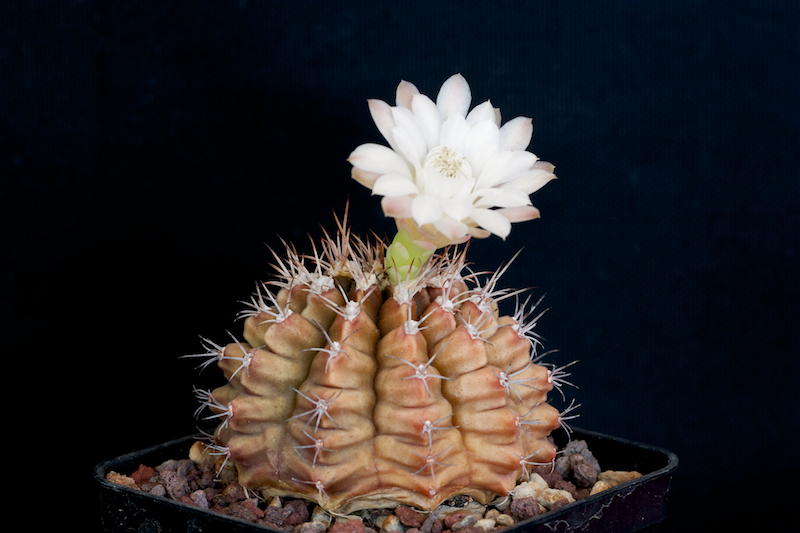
487, 524
548, 497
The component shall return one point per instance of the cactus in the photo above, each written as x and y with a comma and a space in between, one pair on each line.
373, 374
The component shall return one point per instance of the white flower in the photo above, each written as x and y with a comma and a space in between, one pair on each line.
449, 173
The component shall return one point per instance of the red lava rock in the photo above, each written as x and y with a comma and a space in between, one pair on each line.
454, 518
348, 526
243, 511
567, 486
199, 499
584, 474
409, 517
298, 513
143, 474
234, 492
558, 504
176, 484
525, 508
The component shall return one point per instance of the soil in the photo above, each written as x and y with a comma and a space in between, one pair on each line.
575, 475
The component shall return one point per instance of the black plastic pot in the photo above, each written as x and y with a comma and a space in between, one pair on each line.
639, 505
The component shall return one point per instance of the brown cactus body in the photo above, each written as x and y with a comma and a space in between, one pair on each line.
356, 394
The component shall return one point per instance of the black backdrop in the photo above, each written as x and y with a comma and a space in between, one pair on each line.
149, 151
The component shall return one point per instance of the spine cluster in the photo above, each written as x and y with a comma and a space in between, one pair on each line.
355, 393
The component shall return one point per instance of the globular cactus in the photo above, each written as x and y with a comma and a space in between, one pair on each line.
373, 374
355, 393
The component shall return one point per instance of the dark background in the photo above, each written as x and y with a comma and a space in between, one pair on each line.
150, 150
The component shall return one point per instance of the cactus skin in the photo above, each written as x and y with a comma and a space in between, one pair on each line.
411, 394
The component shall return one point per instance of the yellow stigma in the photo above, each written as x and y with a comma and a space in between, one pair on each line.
449, 163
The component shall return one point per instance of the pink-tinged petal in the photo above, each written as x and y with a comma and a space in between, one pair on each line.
519, 214
478, 233
396, 206
544, 165
481, 112
380, 159
530, 182
516, 134
492, 221
453, 230
405, 94
425, 210
428, 118
364, 177
382, 116
454, 97
394, 185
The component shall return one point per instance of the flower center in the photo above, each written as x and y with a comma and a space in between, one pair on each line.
448, 163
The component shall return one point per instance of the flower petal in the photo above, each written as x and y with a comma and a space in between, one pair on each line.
425, 210
509, 197
405, 93
394, 185
456, 208
453, 230
516, 134
492, 221
454, 97
411, 140
396, 206
454, 133
364, 177
519, 214
428, 118
380, 159
481, 112
382, 116
530, 182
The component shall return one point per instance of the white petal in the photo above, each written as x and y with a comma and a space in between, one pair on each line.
428, 118
454, 97
494, 170
481, 112
394, 185
492, 221
500, 198
457, 209
382, 115
411, 147
530, 182
544, 165
405, 93
516, 134
481, 145
519, 214
425, 210
454, 133
378, 158
405, 120
478, 233
454, 230
396, 206
364, 177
